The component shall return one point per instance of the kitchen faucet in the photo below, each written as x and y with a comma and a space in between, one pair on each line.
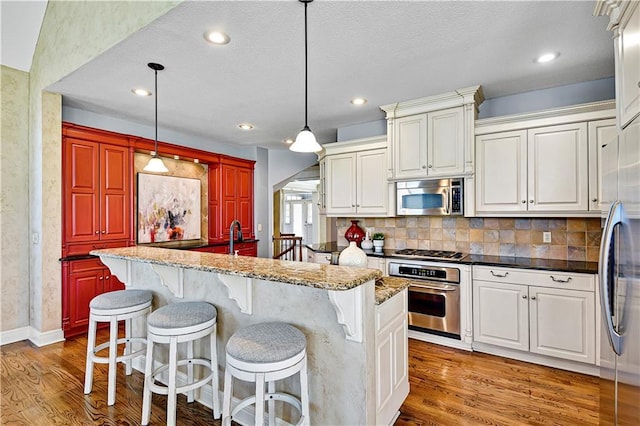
236, 223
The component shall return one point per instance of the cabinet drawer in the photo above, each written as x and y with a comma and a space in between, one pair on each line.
83, 265
85, 248
556, 279
391, 309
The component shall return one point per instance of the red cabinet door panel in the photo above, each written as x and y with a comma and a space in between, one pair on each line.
114, 192
83, 287
81, 191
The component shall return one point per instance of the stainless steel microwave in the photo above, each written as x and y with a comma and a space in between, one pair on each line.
442, 197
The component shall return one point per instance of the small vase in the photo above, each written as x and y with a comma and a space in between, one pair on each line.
354, 233
366, 244
353, 256
377, 245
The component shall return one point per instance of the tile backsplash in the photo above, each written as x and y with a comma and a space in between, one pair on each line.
571, 238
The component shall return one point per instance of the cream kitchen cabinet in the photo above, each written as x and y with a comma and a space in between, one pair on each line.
625, 24
536, 170
432, 137
355, 181
601, 133
543, 163
392, 371
429, 145
543, 312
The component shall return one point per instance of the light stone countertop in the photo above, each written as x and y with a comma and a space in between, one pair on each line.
387, 287
327, 277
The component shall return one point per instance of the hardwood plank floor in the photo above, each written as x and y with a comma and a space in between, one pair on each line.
455, 387
44, 386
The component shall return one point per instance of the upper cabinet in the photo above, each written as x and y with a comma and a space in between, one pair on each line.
541, 164
433, 136
625, 23
96, 190
236, 197
353, 179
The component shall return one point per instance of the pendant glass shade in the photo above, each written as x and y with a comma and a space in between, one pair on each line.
155, 165
305, 142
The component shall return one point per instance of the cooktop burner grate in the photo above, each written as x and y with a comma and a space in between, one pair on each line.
429, 254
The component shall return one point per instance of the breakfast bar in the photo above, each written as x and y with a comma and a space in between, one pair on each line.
334, 306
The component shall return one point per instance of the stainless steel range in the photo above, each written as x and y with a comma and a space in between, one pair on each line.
434, 291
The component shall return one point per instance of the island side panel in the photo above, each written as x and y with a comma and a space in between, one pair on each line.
341, 372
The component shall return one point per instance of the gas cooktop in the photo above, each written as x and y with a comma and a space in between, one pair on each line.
428, 254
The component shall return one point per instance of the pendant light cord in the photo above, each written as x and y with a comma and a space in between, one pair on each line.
156, 98
306, 95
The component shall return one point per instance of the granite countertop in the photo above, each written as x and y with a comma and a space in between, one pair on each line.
387, 287
479, 259
327, 277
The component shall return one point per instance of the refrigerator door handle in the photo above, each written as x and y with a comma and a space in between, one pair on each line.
615, 218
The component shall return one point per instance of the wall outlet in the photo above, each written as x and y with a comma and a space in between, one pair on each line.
35, 238
546, 237
259, 227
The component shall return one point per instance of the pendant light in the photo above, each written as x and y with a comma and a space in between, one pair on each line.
305, 141
155, 164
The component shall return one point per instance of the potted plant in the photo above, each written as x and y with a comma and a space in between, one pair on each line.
378, 242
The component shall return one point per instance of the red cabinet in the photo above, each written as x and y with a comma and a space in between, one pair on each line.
96, 192
82, 281
97, 206
230, 197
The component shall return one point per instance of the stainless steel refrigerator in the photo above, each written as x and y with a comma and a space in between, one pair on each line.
619, 277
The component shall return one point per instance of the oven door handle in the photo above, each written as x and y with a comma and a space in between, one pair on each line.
421, 288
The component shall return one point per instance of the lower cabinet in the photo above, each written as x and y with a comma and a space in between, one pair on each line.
543, 312
392, 374
82, 281
244, 249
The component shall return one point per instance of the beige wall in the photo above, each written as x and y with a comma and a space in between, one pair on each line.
14, 196
571, 238
72, 33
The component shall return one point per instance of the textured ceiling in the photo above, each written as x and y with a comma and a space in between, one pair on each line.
385, 51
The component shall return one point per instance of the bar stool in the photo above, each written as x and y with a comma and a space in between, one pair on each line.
172, 324
266, 353
112, 307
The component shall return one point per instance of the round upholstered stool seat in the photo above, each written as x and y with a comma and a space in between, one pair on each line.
172, 324
112, 307
266, 353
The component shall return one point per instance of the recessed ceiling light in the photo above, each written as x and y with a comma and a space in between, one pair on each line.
547, 57
245, 126
141, 92
358, 101
217, 37
288, 141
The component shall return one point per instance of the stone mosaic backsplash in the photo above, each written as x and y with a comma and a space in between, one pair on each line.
571, 238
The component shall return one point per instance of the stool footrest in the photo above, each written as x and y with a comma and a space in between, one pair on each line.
278, 396
105, 360
164, 390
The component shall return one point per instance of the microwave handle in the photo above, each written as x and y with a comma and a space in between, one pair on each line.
446, 195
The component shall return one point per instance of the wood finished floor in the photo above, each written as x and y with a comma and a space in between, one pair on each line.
44, 386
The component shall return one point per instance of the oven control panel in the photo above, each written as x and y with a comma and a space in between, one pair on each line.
424, 272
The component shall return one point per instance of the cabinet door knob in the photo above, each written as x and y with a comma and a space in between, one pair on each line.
524, 296
594, 200
353, 205
101, 278
533, 298
107, 277
424, 167
430, 166
639, 84
524, 201
357, 205
104, 232
531, 201
97, 232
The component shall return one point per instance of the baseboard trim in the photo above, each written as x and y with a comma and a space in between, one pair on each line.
15, 335
47, 338
29, 333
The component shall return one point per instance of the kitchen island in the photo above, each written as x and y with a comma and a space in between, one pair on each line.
335, 307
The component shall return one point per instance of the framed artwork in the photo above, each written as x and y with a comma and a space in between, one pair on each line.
168, 208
